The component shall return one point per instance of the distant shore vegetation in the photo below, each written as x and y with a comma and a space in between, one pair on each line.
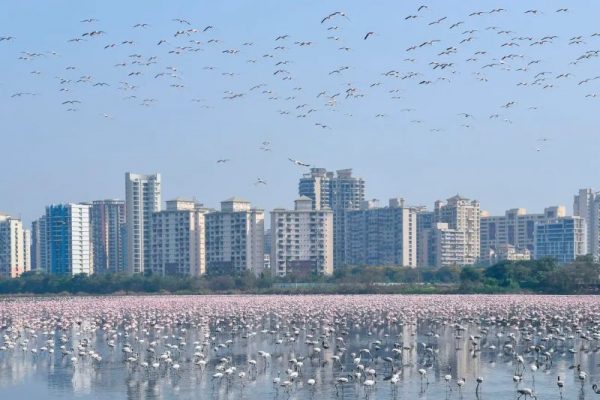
540, 276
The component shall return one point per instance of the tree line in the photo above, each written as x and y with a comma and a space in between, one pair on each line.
539, 276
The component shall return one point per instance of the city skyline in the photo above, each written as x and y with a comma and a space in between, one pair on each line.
419, 141
138, 236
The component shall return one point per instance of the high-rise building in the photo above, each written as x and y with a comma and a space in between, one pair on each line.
424, 224
13, 253
302, 240
339, 192
586, 204
267, 250
108, 239
563, 239
380, 236
39, 243
444, 246
515, 228
178, 245
69, 245
463, 215
27, 249
316, 185
143, 198
234, 238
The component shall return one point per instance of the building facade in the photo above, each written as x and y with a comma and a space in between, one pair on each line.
507, 252
302, 240
108, 235
68, 239
14, 253
178, 245
586, 204
462, 214
425, 223
235, 238
39, 243
444, 246
563, 239
382, 236
339, 192
515, 228
267, 250
27, 266
143, 197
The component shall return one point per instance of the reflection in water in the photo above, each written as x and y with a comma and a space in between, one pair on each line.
152, 353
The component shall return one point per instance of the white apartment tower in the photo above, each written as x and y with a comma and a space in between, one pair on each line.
14, 256
235, 238
340, 192
143, 198
463, 215
443, 246
425, 223
178, 245
586, 204
382, 235
27, 249
302, 240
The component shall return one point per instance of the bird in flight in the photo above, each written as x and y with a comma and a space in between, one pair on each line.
181, 21
437, 21
93, 33
260, 181
299, 163
333, 14
223, 160
368, 35
20, 94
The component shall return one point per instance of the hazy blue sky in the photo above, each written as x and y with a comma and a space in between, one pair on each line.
524, 157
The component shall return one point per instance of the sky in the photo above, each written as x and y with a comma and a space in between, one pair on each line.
528, 139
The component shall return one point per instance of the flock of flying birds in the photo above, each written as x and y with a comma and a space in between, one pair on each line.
456, 48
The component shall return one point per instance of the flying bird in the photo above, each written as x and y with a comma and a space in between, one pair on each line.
182, 21
438, 21
299, 163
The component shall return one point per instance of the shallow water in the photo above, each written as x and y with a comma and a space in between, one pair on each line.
433, 344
